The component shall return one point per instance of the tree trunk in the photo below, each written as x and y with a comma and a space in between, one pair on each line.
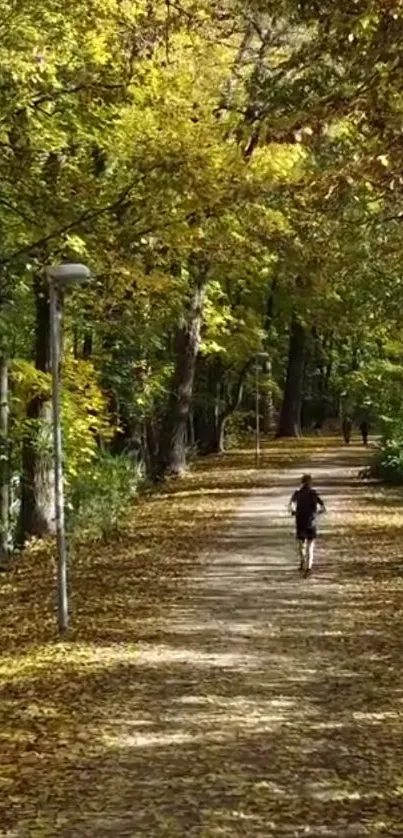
37, 510
172, 443
151, 445
4, 460
219, 434
204, 423
213, 416
208, 387
268, 425
290, 415
211, 437
87, 345
191, 430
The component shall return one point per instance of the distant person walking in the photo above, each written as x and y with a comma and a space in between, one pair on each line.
347, 428
304, 505
364, 428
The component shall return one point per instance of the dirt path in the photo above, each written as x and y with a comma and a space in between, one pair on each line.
267, 706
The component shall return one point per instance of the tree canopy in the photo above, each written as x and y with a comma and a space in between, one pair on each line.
232, 175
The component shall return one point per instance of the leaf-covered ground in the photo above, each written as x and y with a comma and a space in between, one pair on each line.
206, 690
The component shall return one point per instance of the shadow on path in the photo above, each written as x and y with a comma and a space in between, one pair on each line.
265, 706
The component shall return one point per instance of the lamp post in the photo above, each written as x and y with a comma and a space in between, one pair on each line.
260, 356
59, 277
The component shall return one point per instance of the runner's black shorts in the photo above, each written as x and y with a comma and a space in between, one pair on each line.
306, 533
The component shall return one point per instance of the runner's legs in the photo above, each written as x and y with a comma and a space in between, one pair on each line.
302, 551
311, 551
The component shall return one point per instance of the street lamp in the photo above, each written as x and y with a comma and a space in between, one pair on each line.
260, 356
60, 277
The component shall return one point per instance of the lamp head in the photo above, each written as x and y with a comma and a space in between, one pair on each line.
68, 274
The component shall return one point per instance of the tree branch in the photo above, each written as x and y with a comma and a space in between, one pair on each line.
235, 402
85, 217
20, 213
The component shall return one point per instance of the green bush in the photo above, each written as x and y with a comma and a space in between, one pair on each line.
100, 497
388, 462
239, 427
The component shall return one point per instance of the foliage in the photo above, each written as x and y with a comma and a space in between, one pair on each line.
86, 421
375, 390
100, 496
375, 394
239, 427
161, 143
84, 410
28, 383
387, 464
227, 171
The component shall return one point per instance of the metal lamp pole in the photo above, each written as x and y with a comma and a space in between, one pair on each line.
55, 333
58, 278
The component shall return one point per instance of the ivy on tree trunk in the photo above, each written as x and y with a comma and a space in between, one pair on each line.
173, 433
37, 514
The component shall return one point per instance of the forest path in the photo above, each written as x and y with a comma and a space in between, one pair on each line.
264, 705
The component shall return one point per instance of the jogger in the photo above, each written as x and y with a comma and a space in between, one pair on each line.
364, 428
347, 427
304, 504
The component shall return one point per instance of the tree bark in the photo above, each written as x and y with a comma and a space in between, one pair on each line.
87, 345
234, 402
173, 434
191, 429
212, 419
218, 446
290, 415
211, 436
4, 460
37, 510
151, 445
208, 387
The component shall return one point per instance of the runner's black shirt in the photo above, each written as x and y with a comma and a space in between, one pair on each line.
306, 501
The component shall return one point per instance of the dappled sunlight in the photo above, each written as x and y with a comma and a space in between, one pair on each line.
216, 694
155, 654
148, 740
